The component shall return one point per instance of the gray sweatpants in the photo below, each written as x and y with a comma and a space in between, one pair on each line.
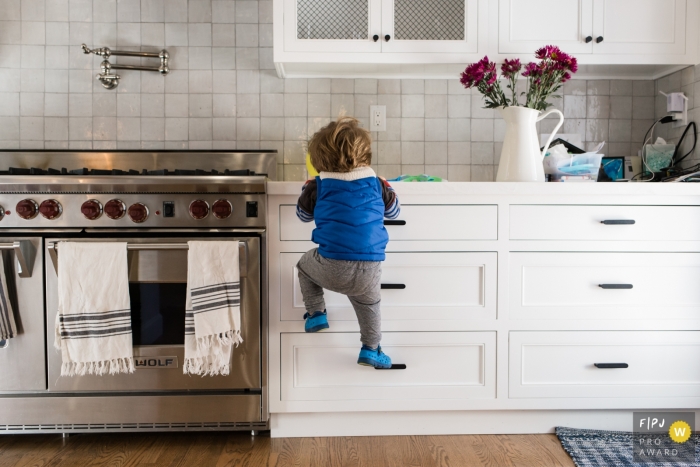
359, 280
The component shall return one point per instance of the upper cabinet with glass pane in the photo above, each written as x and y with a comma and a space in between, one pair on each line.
362, 26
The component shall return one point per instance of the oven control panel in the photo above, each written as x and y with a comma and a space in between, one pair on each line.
177, 210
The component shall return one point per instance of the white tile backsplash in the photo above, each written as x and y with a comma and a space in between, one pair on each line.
223, 92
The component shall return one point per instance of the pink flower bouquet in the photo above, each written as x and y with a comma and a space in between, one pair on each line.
544, 78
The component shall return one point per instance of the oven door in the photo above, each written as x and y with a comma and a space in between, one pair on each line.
157, 289
23, 358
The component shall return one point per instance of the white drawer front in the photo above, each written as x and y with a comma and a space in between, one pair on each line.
423, 222
440, 365
530, 222
438, 286
562, 364
568, 285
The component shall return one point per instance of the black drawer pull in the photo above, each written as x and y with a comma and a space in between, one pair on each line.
611, 365
394, 286
394, 222
394, 366
615, 286
618, 222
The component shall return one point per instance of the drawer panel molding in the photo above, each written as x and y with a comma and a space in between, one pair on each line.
434, 286
440, 365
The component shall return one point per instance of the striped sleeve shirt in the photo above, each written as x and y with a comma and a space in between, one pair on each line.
307, 201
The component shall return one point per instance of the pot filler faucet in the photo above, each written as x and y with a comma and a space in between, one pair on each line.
109, 80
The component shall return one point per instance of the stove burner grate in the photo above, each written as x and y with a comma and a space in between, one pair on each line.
131, 172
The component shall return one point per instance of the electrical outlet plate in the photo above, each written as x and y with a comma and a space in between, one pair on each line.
377, 117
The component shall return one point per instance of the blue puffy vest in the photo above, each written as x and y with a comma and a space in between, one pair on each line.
350, 219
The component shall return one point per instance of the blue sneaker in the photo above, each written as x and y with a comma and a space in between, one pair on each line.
374, 357
316, 321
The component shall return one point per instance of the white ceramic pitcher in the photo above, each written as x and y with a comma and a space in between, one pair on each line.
521, 158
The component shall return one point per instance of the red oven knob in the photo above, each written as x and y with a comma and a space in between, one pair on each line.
91, 209
138, 212
199, 209
115, 209
27, 209
222, 209
50, 209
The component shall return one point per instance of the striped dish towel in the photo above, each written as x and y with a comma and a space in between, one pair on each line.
212, 311
93, 324
8, 329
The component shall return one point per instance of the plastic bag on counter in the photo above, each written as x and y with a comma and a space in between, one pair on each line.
417, 178
559, 163
658, 156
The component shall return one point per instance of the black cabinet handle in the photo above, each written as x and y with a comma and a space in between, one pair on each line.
618, 222
387, 38
375, 38
394, 222
615, 286
589, 39
599, 39
394, 286
611, 365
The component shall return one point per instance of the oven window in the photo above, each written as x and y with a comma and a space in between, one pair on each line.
158, 313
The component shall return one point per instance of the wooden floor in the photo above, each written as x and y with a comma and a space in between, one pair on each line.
241, 449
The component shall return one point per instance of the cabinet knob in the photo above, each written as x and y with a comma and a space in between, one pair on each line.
599, 39
387, 38
375, 38
589, 39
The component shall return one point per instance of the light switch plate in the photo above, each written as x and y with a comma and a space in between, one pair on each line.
377, 117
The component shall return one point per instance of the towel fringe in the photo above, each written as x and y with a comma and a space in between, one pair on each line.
204, 366
112, 367
229, 338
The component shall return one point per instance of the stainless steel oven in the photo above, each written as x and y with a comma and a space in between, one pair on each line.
22, 365
157, 290
155, 202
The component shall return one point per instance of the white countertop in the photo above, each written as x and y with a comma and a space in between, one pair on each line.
510, 188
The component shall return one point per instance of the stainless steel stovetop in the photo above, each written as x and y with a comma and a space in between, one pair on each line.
134, 189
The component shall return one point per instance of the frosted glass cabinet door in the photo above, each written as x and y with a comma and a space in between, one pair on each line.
435, 26
332, 25
639, 26
526, 25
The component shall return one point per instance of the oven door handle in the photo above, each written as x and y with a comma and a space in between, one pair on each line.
24, 252
242, 252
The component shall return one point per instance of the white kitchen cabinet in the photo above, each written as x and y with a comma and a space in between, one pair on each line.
439, 365
642, 27
563, 364
526, 25
604, 286
637, 27
338, 38
436, 286
438, 38
373, 26
507, 266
